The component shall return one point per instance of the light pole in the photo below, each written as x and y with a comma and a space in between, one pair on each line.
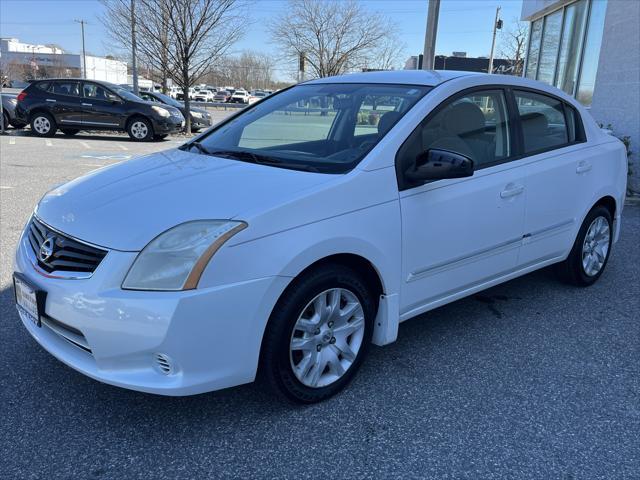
430, 35
497, 25
84, 55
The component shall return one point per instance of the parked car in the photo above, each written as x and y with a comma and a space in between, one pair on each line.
204, 95
239, 96
200, 118
256, 96
72, 105
180, 94
282, 246
221, 96
9, 102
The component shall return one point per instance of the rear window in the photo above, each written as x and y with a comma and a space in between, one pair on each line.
544, 124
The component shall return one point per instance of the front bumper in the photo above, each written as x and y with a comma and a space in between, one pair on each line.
167, 125
211, 337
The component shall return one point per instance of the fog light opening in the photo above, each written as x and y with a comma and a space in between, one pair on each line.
164, 363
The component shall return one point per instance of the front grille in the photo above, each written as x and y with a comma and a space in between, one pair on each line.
67, 254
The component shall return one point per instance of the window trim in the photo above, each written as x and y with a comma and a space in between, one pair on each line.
511, 116
515, 131
580, 132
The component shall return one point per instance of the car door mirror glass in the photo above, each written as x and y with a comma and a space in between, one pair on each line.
436, 164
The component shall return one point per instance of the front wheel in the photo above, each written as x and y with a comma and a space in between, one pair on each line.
140, 129
318, 334
43, 125
591, 250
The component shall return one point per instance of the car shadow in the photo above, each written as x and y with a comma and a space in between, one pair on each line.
108, 136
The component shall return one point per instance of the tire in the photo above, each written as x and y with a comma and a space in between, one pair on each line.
43, 125
160, 137
69, 131
195, 130
322, 342
5, 120
140, 129
590, 254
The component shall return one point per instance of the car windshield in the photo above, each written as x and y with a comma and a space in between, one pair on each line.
168, 100
314, 127
123, 92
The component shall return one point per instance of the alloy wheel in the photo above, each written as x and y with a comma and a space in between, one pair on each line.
596, 246
139, 129
327, 337
42, 125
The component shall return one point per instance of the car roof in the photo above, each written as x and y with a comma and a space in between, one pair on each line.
429, 78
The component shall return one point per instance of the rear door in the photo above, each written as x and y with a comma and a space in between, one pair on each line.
63, 99
559, 175
101, 107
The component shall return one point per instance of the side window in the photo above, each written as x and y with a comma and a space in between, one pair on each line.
66, 88
474, 125
543, 121
42, 86
97, 92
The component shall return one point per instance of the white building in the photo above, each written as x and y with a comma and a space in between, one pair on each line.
19, 60
589, 49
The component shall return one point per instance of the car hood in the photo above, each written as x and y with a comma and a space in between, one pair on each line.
126, 205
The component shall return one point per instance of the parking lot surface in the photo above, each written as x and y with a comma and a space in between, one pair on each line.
530, 379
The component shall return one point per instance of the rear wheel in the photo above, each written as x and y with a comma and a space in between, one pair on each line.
43, 125
140, 129
69, 131
591, 250
318, 334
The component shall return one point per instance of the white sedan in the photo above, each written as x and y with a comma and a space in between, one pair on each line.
286, 240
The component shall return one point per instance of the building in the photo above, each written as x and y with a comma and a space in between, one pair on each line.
589, 49
23, 61
459, 61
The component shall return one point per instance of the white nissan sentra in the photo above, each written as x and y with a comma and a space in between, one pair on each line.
284, 241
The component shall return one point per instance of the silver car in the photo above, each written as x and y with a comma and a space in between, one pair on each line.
9, 102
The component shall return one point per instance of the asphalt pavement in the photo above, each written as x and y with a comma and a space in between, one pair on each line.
530, 379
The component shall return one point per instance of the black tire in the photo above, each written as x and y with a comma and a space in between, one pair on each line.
69, 131
39, 123
195, 130
160, 137
5, 120
275, 369
572, 270
137, 132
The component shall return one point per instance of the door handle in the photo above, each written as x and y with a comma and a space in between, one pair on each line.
87, 104
511, 190
583, 167
51, 100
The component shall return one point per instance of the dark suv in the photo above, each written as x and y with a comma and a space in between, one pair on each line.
73, 105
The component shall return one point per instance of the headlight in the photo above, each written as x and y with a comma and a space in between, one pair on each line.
163, 112
196, 114
175, 259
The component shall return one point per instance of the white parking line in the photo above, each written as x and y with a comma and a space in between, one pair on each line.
122, 147
48, 142
85, 145
5, 187
91, 165
12, 141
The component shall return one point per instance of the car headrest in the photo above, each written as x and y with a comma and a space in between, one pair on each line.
463, 119
387, 121
535, 123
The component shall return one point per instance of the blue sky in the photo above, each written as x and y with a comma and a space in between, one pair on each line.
465, 25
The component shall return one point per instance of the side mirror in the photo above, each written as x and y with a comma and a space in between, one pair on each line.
435, 164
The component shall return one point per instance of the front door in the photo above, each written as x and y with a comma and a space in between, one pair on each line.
458, 234
101, 107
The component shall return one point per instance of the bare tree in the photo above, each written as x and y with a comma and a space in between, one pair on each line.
513, 43
335, 37
201, 32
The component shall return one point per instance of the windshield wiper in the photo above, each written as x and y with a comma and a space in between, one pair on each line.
199, 146
262, 159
